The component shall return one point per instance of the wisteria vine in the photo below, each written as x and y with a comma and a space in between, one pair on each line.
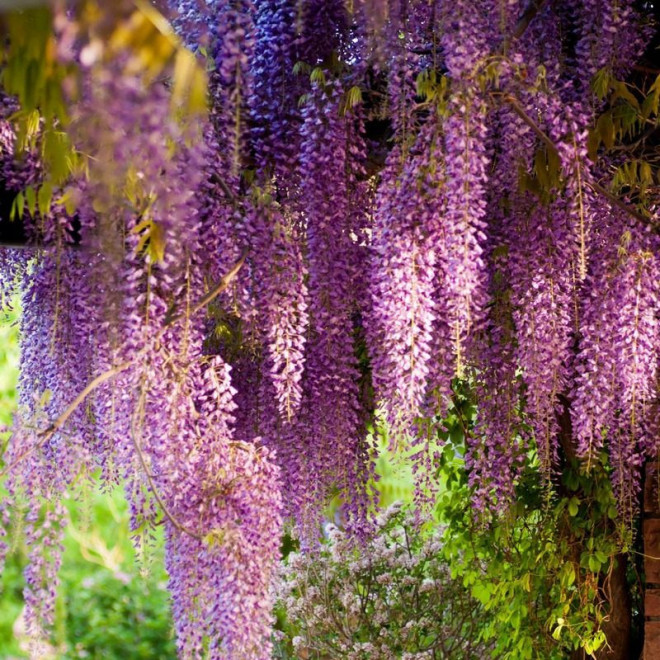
383, 197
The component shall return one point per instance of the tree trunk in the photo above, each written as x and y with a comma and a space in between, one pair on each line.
614, 585
619, 623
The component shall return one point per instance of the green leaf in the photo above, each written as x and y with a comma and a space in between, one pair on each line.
317, 75
573, 506
301, 67
593, 142
353, 96
645, 173
17, 207
45, 197
598, 640
56, 150
45, 398
605, 127
621, 91
556, 633
600, 83
31, 198
602, 557
594, 564
568, 575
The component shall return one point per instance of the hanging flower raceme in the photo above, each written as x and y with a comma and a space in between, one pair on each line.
331, 421
55, 365
407, 259
323, 31
142, 364
385, 196
613, 402
273, 100
498, 441
465, 47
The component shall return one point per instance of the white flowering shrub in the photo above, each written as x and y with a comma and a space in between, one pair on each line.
390, 598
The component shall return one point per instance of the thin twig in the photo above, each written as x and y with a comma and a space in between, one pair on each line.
596, 187
216, 178
143, 463
47, 433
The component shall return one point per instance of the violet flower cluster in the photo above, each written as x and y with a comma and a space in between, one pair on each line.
406, 192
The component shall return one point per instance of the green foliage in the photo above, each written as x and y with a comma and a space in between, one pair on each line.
629, 117
394, 477
107, 608
117, 616
31, 69
544, 179
8, 363
433, 87
538, 571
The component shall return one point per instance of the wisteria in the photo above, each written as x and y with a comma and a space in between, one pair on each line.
379, 200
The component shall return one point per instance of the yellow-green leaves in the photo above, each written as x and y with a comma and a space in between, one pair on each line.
189, 89
650, 103
606, 130
153, 48
545, 175
35, 75
32, 71
301, 67
152, 240
600, 84
27, 124
67, 201
58, 152
567, 576
31, 198
317, 76
17, 207
350, 100
433, 87
45, 197
630, 111
637, 176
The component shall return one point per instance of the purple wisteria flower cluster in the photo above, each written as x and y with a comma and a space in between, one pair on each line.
382, 198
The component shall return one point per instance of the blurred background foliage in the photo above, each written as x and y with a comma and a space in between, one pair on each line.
112, 604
